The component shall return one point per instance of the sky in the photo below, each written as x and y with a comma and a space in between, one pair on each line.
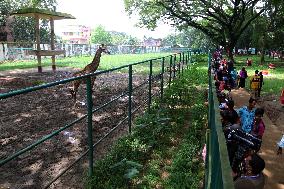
108, 13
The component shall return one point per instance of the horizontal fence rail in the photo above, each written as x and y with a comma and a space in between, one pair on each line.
10, 51
169, 66
218, 170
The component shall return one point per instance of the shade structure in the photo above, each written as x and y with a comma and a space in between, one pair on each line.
49, 15
42, 14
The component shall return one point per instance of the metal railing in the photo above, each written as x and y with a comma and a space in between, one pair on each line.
218, 170
177, 63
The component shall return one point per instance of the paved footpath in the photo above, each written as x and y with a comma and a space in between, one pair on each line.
274, 164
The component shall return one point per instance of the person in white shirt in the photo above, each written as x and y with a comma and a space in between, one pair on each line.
280, 145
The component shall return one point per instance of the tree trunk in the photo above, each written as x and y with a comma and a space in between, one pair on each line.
262, 44
230, 50
262, 61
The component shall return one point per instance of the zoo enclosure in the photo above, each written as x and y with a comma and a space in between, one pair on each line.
22, 51
176, 65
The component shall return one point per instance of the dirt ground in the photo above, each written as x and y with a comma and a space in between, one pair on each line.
27, 118
274, 128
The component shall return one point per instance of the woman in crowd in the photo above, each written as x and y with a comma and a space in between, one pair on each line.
243, 75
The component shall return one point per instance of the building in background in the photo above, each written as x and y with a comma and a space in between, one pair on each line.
152, 42
76, 34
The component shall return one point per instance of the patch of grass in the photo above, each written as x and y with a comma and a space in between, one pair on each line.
274, 82
107, 61
166, 141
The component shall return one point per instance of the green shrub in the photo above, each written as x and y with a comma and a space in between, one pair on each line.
173, 130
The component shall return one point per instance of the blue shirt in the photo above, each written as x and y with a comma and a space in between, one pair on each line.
247, 118
281, 142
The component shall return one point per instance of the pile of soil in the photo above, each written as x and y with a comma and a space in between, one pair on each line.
273, 108
27, 118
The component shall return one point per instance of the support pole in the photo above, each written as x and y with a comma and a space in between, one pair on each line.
150, 86
52, 43
90, 125
129, 97
37, 33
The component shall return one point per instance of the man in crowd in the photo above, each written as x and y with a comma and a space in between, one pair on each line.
253, 177
255, 83
246, 114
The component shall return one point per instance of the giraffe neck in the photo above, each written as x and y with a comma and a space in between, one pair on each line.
97, 58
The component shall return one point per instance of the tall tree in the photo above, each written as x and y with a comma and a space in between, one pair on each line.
222, 20
190, 37
100, 35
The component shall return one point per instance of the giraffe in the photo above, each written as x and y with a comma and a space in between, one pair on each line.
90, 68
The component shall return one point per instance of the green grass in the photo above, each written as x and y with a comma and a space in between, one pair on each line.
274, 83
168, 140
107, 61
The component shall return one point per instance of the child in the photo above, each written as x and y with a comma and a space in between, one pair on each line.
280, 146
255, 83
258, 125
243, 75
249, 62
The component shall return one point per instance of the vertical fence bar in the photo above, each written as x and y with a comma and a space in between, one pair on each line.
185, 60
90, 124
175, 58
129, 97
182, 63
162, 78
171, 62
150, 86
179, 64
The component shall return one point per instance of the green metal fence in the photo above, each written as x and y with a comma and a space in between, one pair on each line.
218, 169
177, 63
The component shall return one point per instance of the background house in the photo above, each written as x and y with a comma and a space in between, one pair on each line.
76, 34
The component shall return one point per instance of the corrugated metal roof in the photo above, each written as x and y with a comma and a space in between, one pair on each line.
42, 13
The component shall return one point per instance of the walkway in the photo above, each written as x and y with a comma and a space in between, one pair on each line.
274, 169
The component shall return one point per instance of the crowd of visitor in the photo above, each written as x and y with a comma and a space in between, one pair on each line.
243, 128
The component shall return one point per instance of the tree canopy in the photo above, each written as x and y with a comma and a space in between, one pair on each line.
23, 27
222, 20
100, 35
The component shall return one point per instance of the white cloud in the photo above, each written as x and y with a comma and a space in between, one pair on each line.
109, 13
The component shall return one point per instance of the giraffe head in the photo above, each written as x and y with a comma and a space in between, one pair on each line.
104, 49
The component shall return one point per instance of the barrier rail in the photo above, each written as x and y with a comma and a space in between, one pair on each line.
218, 170
184, 60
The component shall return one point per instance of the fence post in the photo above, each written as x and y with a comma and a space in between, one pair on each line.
171, 62
162, 78
182, 63
90, 124
129, 97
175, 58
186, 60
179, 65
150, 86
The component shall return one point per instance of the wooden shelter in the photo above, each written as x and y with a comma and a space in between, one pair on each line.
49, 15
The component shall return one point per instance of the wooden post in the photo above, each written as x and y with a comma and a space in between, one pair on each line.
38, 43
52, 43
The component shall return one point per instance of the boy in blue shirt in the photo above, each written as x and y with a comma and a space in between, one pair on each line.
246, 115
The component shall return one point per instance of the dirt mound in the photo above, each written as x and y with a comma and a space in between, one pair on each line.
27, 118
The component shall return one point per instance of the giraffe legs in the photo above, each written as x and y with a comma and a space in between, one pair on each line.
93, 82
73, 91
76, 85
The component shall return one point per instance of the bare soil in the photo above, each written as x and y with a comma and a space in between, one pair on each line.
274, 128
27, 118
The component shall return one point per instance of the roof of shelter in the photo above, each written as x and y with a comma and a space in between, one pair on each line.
42, 13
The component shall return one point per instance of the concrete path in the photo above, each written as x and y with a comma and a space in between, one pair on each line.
274, 168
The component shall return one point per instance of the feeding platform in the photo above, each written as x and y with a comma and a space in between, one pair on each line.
49, 15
